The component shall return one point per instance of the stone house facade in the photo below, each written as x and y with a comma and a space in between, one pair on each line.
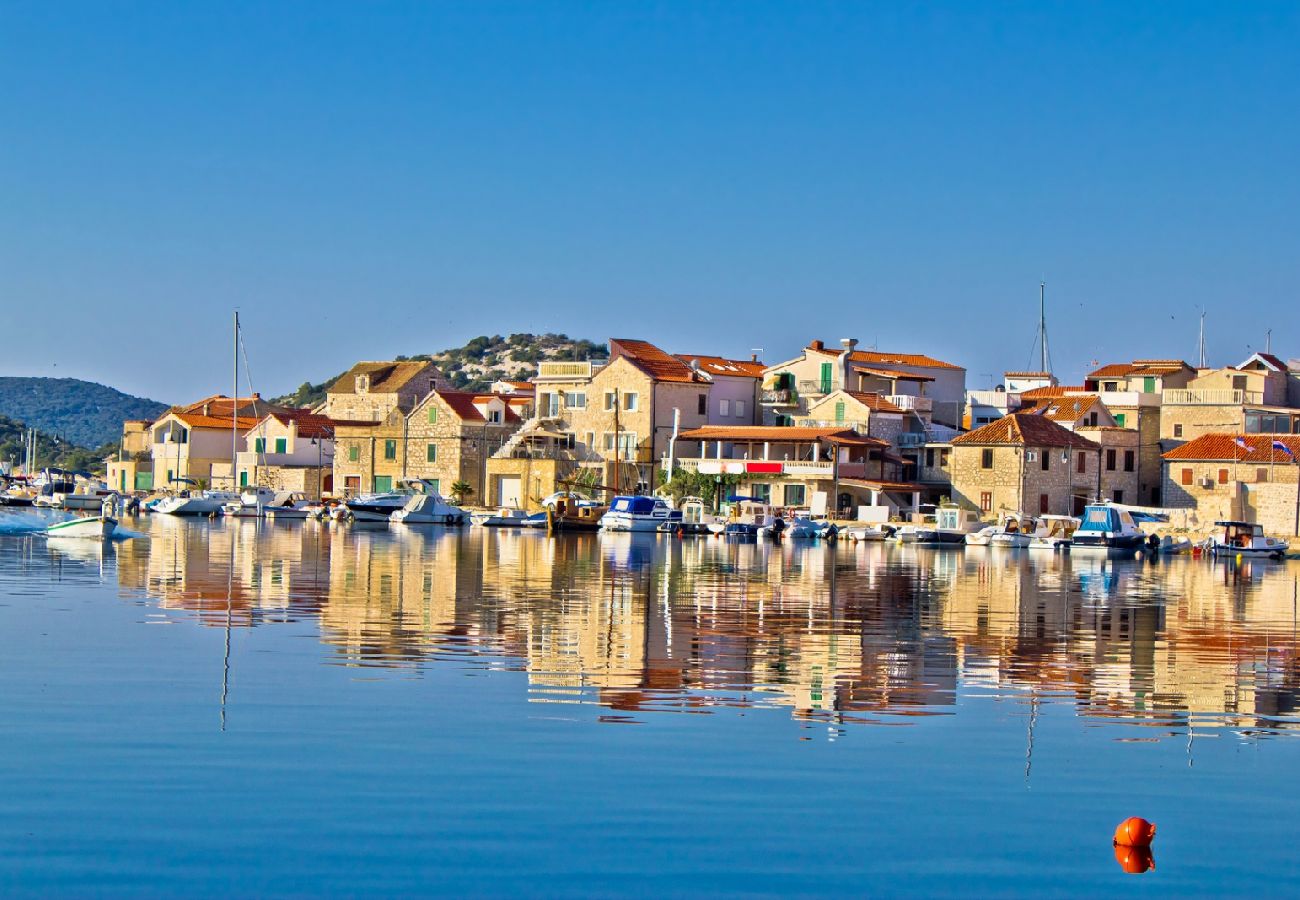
1216, 478
1024, 463
446, 437
369, 391
288, 451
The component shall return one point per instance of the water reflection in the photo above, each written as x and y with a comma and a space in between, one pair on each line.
845, 634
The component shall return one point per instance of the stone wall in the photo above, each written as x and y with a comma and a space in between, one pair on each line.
1186, 422
1018, 482
1253, 493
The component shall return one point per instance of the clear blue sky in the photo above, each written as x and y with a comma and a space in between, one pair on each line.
367, 179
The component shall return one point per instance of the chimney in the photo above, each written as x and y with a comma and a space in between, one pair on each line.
816, 345
846, 365
753, 357
849, 344
206, 409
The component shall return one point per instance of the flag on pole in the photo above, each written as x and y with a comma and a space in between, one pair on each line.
1241, 442
1278, 445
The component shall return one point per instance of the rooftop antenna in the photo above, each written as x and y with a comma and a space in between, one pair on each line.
1202, 340
1268, 341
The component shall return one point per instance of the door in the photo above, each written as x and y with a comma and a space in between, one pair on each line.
351, 485
828, 371
508, 491
383, 484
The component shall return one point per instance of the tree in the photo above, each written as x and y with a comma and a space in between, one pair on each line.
460, 490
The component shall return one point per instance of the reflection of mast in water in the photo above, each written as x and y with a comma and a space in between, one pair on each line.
1029, 743
225, 659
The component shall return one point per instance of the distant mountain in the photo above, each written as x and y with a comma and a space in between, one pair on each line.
83, 412
481, 361
50, 451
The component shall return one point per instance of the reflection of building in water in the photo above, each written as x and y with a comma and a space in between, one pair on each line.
249, 568
638, 622
393, 594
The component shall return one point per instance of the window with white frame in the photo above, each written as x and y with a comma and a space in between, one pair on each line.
740, 409
724, 407
575, 399
630, 401
611, 401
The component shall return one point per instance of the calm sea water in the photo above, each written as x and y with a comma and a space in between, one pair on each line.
240, 708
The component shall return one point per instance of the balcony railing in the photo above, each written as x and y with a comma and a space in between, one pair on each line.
783, 397
1210, 397
792, 468
908, 401
912, 438
809, 388
566, 370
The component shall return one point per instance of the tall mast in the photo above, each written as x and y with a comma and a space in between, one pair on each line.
1201, 343
234, 414
1044, 361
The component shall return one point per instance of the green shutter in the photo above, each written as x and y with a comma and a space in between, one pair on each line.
433, 415
259, 445
431, 453
383, 484
281, 445
436, 484
243, 478
1149, 384
827, 376
354, 453
390, 449
1119, 419
839, 412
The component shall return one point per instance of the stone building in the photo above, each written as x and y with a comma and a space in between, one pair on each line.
445, 437
196, 442
1024, 463
131, 469
289, 450
909, 380
1247, 477
369, 391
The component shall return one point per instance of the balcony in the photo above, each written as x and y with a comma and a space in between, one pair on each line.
776, 469
915, 404
814, 388
1210, 397
912, 438
567, 371
783, 397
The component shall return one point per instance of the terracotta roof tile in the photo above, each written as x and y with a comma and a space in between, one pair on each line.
1140, 367
874, 401
881, 358
650, 359
1068, 409
310, 425
718, 365
1220, 447
386, 377
1025, 429
1026, 374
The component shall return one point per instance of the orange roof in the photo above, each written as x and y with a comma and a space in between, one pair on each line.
198, 420
1025, 429
1067, 409
1026, 374
874, 401
893, 373
462, 404
882, 358
1220, 447
650, 359
310, 425
386, 377
784, 434
1140, 367
1046, 393
526, 387
718, 365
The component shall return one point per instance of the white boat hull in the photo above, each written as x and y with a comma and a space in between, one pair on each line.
91, 528
190, 506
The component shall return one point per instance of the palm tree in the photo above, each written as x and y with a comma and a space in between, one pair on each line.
460, 490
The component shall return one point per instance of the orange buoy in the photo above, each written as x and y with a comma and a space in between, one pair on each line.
1134, 860
1134, 832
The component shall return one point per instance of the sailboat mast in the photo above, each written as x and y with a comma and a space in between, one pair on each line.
1201, 342
1044, 362
234, 413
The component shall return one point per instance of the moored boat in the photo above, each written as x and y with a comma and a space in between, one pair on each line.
428, 509
204, 503
1107, 527
639, 514
505, 517
1013, 532
1054, 533
1247, 539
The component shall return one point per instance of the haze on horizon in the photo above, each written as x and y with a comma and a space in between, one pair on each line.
368, 180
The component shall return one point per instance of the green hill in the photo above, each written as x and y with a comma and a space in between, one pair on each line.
83, 412
480, 362
50, 451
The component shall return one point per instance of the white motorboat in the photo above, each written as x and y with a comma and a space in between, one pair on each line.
803, 529
260, 503
205, 503
89, 527
505, 517
1013, 532
1053, 533
639, 514
878, 532
379, 507
1247, 539
981, 538
1109, 527
428, 509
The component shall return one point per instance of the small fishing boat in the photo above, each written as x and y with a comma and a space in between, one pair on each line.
505, 517
981, 537
1247, 539
1054, 533
639, 514
535, 520
747, 517
567, 514
1108, 527
428, 509
696, 518
89, 527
